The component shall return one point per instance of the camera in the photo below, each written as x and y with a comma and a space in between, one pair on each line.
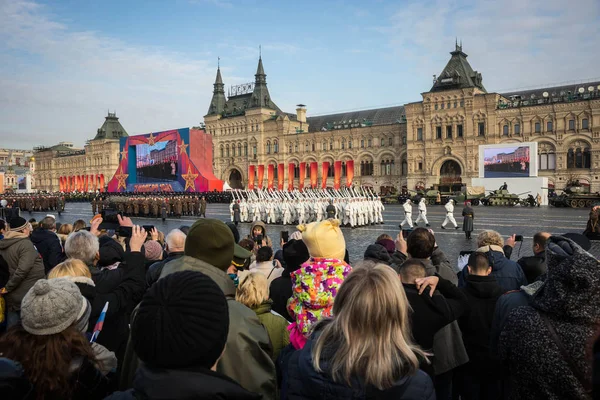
285, 236
258, 239
518, 238
405, 232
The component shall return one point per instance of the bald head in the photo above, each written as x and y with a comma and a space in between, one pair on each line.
539, 241
175, 241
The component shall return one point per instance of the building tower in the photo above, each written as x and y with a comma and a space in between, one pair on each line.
217, 104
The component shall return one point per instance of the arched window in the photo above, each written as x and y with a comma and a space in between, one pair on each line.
296, 147
391, 140
275, 147
330, 144
382, 142
343, 143
362, 143
246, 149
233, 150
290, 149
313, 146
344, 168
275, 172
330, 171
221, 151
306, 146
349, 143
268, 147
227, 150
505, 130
239, 149
296, 171
254, 150
369, 142
404, 168
324, 145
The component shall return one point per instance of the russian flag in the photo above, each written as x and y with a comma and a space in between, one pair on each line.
99, 324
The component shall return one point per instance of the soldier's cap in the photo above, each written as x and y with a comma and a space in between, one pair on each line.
240, 256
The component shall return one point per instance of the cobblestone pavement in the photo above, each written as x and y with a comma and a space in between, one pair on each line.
524, 221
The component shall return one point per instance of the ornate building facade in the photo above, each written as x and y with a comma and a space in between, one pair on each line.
430, 143
257, 144
64, 168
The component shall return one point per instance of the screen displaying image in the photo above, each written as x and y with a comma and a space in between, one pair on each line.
506, 162
22, 183
157, 163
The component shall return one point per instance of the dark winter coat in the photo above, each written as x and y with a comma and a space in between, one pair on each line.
236, 213
48, 245
430, 314
155, 269
508, 273
192, 383
25, 267
569, 298
533, 266
482, 293
377, 253
123, 288
303, 382
468, 216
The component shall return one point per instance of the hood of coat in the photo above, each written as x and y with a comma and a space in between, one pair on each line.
199, 383
258, 223
12, 237
572, 285
483, 287
264, 308
377, 253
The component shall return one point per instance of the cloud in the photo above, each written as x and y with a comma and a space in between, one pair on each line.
54, 81
513, 43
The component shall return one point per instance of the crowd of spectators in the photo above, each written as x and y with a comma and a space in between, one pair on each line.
202, 312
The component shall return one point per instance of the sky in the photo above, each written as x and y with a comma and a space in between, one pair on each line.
65, 63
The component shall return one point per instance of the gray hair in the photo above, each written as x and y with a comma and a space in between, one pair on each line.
82, 245
48, 223
175, 240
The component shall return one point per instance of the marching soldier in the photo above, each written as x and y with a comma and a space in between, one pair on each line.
94, 206
407, 214
422, 212
203, 207
163, 209
449, 215
331, 210
178, 208
136, 207
146, 207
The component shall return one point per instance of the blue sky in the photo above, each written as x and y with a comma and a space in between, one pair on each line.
64, 63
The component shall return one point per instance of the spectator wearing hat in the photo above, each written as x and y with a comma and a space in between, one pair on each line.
153, 252
295, 253
378, 253
64, 365
533, 266
179, 332
110, 254
209, 248
48, 243
175, 242
253, 292
25, 266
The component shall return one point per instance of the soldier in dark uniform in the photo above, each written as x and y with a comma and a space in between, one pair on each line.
37, 204
136, 207
169, 202
178, 208
129, 206
330, 210
184, 205
121, 207
146, 207
29, 205
61, 205
163, 209
196, 205
236, 212
468, 216
203, 207
155, 206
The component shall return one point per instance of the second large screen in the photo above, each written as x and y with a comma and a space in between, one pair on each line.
156, 163
507, 162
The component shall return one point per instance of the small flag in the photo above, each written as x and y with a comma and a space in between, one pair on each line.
99, 324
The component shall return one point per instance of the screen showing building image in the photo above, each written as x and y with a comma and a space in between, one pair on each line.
506, 162
157, 163
22, 182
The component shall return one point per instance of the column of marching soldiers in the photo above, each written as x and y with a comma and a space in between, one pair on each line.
152, 206
353, 208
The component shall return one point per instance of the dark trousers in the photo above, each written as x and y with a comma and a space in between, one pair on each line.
443, 385
478, 383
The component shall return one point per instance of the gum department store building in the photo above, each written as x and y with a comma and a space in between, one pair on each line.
433, 142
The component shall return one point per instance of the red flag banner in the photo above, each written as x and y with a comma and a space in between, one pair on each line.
280, 176
324, 173
349, 172
337, 174
291, 168
261, 176
270, 176
314, 166
251, 170
302, 175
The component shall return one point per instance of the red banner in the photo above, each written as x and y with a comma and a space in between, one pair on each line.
261, 176
314, 166
251, 177
337, 174
291, 168
270, 176
280, 176
302, 175
349, 172
324, 173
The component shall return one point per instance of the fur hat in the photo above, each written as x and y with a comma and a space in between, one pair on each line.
314, 287
51, 306
324, 239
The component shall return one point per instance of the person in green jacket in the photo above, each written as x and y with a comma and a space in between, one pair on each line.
253, 292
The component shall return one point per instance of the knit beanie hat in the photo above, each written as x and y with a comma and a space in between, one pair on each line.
211, 241
83, 318
314, 287
182, 321
110, 251
152, 250
51, 306
324, 239
17, 224
295, 253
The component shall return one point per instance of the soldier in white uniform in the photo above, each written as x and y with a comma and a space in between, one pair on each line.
231, 209
287, 213
407, 214
244, 211
271, 218
449, 215
301, 211
422, 212
379, 211
256, 211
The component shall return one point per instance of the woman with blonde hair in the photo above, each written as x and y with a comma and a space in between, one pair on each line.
64, 231
78, 225
365, 350
253, 292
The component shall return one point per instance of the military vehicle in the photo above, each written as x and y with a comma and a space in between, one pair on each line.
574, 196
474, 194
502, 198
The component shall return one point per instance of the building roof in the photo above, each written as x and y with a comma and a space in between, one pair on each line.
571, 90
458, 74
111, 129
354, 119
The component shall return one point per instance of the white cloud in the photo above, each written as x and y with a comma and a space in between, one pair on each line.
57, 84
513, 43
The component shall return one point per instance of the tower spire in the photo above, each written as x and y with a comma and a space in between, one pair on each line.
217, 104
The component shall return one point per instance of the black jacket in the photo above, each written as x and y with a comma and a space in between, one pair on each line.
430, 314
533, 266
48, 245
482, 293
280, 292
377, 253
155, 269
303, 382
123, 289
193, 383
